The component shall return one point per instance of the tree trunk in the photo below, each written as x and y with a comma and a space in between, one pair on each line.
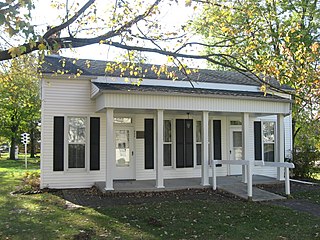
12, 149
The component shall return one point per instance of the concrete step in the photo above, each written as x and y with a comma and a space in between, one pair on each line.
258, 195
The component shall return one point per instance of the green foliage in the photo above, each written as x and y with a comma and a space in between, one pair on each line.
304, 160
19, 97
15, 17
279, 39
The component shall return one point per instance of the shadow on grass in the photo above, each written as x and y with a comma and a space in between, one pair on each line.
45, 216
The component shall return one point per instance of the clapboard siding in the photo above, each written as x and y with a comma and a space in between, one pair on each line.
72, 97
64, 98
190, 103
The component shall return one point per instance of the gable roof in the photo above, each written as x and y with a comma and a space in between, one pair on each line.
54, 63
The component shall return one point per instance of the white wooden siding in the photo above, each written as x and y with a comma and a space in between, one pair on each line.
72, 97
65, 98
189, 103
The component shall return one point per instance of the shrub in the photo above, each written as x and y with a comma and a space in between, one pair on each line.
304, 160
31, 180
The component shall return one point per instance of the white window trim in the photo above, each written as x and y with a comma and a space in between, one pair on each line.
66, 144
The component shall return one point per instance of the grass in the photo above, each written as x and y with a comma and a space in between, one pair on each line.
43, 216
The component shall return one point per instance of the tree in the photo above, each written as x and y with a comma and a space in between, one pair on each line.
19, 98
278, 39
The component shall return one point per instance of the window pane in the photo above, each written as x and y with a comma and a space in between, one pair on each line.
198, 154
167, 130
237, 123
268, 131
269, 152
122, 148
77, 130
167, 155
237, 139
198, 133
76, 158
122, 120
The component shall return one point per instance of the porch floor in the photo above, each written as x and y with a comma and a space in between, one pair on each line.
231, 184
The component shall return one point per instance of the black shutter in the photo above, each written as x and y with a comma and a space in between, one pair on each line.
58, 143
188, 149
257, 141
217, 139
94, 143
184, 143
179, 143
148, 144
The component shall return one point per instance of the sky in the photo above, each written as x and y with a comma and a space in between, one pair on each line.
175, 15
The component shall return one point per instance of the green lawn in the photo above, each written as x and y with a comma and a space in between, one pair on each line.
43, 216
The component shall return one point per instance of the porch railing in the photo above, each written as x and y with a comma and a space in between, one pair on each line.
248, 166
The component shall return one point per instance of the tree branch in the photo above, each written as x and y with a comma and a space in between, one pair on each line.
67, 23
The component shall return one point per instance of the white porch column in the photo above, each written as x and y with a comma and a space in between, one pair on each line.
245, 144
204, 149
159, 157
211, 158
280, 145
110, 150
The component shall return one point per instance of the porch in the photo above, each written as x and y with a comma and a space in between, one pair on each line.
231, 184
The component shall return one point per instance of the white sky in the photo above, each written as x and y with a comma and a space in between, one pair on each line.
172, 16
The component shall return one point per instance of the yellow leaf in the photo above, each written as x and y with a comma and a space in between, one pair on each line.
41, 46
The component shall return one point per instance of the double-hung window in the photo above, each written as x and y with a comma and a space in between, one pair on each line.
76, 142
268, 141
167, 143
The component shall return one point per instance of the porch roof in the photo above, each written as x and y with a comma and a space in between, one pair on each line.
130, 88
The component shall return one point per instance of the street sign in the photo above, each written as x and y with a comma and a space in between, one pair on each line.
25, 139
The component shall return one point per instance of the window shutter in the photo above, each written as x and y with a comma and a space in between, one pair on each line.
148, 144
184, 143
58, 143
257, 141
188, 149
217, 139
94, 143
179, 143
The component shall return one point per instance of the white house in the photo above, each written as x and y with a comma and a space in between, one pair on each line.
99, 127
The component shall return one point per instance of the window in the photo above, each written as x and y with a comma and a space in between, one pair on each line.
198, 142
167, 143
123, 120
235, 123
268, 141
76, 142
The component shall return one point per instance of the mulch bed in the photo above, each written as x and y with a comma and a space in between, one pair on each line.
94, 198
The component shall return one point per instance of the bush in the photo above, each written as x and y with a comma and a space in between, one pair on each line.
31, 181
304, 160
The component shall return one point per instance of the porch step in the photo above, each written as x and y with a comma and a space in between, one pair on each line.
258, 195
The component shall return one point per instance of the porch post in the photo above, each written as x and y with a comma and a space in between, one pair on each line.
245, 144
280, 145
110, 150
211, 158
159, 158
204, 149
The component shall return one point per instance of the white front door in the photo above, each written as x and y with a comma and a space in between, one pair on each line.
235, 150
125, 164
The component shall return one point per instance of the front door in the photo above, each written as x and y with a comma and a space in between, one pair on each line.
125, 164
235, 150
